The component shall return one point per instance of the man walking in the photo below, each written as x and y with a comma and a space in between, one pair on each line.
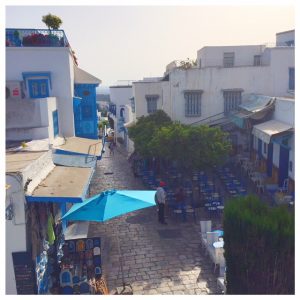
160, 198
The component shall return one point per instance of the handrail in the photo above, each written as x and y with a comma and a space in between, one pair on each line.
89, 151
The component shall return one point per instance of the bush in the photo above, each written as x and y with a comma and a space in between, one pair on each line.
259, 248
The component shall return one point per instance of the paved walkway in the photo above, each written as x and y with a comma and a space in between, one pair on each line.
157, 259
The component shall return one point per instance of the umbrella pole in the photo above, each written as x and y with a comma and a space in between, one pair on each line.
127, 288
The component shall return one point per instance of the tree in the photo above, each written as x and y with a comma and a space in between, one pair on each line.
192, 147
144, 130
52, 21
259, 244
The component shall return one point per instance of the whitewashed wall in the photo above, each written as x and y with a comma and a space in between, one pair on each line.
56, 60
15, 229
282, 38
269, 80
213, 56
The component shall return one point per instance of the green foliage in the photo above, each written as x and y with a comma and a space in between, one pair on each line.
144, 131
52, 21
259, 247
192, 147
187, 64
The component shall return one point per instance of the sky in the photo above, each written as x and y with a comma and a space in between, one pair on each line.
131, 42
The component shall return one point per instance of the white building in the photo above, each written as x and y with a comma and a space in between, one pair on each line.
211, 91
122, 111
42, 79
214, 88
49, 100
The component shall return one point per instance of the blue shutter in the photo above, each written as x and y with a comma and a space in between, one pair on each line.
55, 123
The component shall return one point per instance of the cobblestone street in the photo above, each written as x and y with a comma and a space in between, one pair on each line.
157, 259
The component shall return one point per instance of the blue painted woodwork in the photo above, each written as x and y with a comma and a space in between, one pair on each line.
85, 111
283, 165
38, 88
270, 159
32, 75
54, 199
55, 123
259, 148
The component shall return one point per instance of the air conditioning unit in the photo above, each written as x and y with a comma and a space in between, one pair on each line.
15, 90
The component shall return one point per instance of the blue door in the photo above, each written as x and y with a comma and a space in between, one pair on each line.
283, 165
270, 159
85, 111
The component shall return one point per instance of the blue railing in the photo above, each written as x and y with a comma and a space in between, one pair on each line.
16, 37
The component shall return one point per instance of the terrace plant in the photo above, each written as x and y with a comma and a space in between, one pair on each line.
52, 22
259, 246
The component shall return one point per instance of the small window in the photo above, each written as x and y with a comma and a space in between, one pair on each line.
292, 79
257, 60
291, 166
38, 88
132, 101
192, 104
232, 100
290, 43
265, 148
228, 59
151, 103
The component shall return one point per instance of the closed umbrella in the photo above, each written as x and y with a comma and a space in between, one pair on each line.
110, 204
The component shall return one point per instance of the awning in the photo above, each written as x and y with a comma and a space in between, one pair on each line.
254, 103
254, 107
265, 131
129, 124
63, 184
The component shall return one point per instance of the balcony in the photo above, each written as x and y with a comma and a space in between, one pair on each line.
35, 38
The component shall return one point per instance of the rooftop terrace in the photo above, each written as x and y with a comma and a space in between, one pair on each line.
19, 37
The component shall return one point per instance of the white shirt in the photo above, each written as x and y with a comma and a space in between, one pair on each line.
161, 195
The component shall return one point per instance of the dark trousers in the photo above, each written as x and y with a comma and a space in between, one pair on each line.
161, 212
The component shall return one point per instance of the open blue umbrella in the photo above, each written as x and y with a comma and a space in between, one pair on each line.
110, 204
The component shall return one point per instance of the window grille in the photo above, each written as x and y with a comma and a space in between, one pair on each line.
228, 59
232, 99
192, 104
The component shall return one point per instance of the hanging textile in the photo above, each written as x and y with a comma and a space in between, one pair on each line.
50, 231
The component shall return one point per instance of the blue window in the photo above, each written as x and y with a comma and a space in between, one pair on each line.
55, 123
292, 79
192, 104
38, 88
132, 101
265, 148
152, 103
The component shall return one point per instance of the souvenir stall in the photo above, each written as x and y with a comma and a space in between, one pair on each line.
43, 233
81, 266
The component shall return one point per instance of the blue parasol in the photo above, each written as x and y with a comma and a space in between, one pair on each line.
110, 204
